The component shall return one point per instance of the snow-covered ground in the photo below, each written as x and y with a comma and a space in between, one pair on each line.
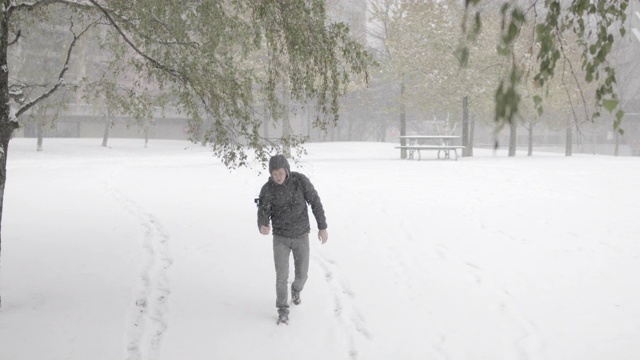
153, 253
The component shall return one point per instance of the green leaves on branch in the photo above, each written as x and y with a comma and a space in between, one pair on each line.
610, 104
462, 51
597, 42
537, 103
594, 23
228, 65
508, 98
512, 21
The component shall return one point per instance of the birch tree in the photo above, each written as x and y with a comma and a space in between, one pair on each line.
200, 53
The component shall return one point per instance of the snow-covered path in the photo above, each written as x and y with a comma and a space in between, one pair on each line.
133, 253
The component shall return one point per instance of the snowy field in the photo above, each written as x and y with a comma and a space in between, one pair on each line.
153, 253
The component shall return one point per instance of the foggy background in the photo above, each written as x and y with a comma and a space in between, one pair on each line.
416, 80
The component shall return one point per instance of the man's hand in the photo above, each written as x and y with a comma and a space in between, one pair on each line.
323, 236
264, 230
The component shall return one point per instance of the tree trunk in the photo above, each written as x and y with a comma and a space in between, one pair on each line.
530, 149
40, 134
616, 136
403, 122
7, 124
465, 126
107, 127
381, 131
5, 136
513, 138
472, 130
334, 133
569, 137
286, 133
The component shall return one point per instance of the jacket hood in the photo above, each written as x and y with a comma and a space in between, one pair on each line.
279, 162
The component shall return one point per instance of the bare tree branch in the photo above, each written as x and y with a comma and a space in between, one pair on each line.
61, 82
575, 78
43, 3
133, 46
18, 34
192, 44
157, 64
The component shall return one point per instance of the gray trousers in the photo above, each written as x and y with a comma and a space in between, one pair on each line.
282, 248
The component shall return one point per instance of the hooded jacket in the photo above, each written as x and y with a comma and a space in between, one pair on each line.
285, 206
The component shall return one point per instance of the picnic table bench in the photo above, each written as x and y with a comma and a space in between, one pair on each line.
444, 147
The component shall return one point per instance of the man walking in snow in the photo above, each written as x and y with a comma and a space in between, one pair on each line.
283, 206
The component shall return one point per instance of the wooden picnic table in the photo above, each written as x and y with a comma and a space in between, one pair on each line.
444, 146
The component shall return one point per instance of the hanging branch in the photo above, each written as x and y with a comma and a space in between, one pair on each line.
133, 46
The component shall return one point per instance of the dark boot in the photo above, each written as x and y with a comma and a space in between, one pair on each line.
295, 297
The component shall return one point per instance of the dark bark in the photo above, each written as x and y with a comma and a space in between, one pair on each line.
60, 83
465, 127
8, 122
5, 136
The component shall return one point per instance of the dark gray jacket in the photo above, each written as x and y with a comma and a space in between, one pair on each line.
285, 206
